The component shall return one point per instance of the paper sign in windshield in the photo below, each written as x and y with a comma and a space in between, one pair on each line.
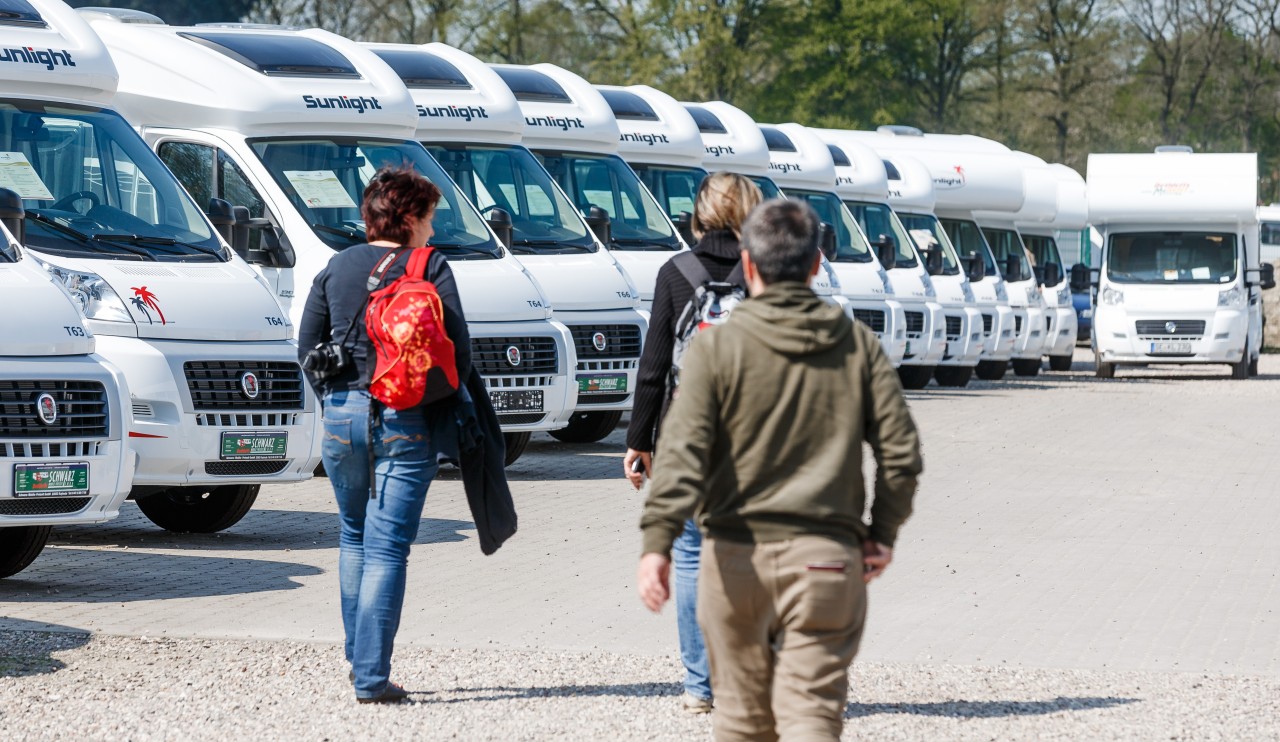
320, 189
924, 238
17, 175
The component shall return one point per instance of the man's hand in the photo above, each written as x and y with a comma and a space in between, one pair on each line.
875, 557
653, 580
628, 464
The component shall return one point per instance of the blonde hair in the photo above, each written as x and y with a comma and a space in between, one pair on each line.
723, 202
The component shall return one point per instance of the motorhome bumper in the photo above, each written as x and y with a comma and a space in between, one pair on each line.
1031, 338
1002, 335
886, 320
1063, 342
965, 338
530, 388
926, 327
1167, 338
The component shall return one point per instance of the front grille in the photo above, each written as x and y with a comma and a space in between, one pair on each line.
1017, 324
620, 341
216, 385
518, 382
43, 505
242, 420
520, 418
586, 400
987, 322
1161, 327
871, 318
537, 355
81, 409
915, 322
59, 450
243, 468
953, 327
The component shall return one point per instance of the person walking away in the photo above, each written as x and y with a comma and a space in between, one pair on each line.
721, 205
764, 444
379, 519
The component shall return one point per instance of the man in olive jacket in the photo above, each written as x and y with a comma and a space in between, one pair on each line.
763, 445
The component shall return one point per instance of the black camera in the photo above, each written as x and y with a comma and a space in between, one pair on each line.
326, 360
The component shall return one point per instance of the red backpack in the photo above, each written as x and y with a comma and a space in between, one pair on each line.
405, 320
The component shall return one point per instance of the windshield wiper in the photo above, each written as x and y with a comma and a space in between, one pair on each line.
348, 232
87, 239
144, 239
464, 248
646, 244
526, 246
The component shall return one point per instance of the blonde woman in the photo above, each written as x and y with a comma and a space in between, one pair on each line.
722, 205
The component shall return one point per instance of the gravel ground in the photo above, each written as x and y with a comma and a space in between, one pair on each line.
77, 686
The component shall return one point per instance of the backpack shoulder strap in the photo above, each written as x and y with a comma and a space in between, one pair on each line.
692, 269
737, 277
419, 259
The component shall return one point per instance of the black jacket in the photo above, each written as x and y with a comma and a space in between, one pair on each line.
482, 456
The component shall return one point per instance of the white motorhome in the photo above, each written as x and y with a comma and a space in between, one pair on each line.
218, 403
63, 423
801, 165
1180, 280
1040, 234
862, 182
291, 126
472, 124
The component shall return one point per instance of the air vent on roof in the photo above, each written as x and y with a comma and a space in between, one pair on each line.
248, 26
1181, 148
20, 13
900, 131
532, 86
121, 15
278, 55
628, 106
892, 170
777, 141
708, 123
838, 156
423, 70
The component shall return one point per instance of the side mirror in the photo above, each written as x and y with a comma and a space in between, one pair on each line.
684, 225
933, 260
13, 214
240, 231
887, 251
827, 240
1052, 274
976, 270
222, 216
600, 224
1081, 278
1268, 272
1012, 268
500, 222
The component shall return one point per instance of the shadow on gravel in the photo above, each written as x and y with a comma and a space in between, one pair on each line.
504, 693
27, 647
986, 709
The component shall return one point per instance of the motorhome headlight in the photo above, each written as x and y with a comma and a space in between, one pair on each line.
1064, 296
967, 290
929, 291
96, 297
884, 279
1033, 296
1233, 298
1112, 297
1001, 293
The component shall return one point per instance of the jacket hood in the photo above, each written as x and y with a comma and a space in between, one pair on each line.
790, 319
721, 243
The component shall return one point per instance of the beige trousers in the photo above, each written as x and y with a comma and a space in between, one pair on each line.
782, 621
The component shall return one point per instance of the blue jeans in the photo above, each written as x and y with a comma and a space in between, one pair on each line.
376, 533
686, 552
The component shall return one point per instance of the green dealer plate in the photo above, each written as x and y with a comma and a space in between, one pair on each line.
606, 384
254, 446
51, 480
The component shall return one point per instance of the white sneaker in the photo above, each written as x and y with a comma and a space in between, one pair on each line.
694, 705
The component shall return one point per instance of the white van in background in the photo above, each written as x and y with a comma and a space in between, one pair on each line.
63, 423
291, 126
1070, 213
862, 181
218, 403
1180, 280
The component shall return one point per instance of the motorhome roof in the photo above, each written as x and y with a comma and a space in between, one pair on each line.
1073, 199
798, 158
50, 53
862, 173
458, 97
912, 138
1173, 188
257, 82
561, 110
730, 138
1039, 192
910, 183
654, 127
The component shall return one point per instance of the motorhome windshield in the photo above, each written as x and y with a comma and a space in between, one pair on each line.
325, 178
878, 219
1005, 244
510, 178
1044, 250
91, 187
1270, 234
850, 245
926, 227
674, 187
1164, 257
638, 223
768, 188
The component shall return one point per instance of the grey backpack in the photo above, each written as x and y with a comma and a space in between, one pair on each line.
711, 305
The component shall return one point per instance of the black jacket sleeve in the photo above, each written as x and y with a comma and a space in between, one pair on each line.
316, 327
455, 322
655, 365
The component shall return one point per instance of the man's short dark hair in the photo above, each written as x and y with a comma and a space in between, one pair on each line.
781, 236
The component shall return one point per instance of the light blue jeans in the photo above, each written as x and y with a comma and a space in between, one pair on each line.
376, 533
686, 553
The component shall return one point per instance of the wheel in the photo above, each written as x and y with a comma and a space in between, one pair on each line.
199, 509
1241, 370
915, 377
588, 427
953, 376
991, 370
1026, 366
516, 443
1253, 366
19, 547
1060, 363
1104, 370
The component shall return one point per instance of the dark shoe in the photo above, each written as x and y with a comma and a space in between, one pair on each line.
391, 694
351, 676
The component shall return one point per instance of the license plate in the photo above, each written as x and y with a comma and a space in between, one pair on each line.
254, 446
1170, 348
607, 384
50, 480
529, 400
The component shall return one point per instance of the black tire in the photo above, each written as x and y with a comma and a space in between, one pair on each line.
588, 427
953, 376
19, 547
1026, 366
1253, 366
1241, 370
1060, 363
991, 370
206, 509
915, 377
516, 443
1104, 370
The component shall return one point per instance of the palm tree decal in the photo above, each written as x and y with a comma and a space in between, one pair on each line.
142, 307
148, 301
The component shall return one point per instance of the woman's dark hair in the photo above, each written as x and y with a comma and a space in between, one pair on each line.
394, 193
